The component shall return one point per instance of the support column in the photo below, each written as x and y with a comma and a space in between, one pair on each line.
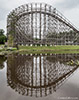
36, 21
44, 30
32, 21
40, 22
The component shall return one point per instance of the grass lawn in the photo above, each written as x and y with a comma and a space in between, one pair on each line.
49, 49
59, 49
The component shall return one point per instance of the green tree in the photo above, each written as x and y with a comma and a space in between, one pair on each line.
1, 32
3, 38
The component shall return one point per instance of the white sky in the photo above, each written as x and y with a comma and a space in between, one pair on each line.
69, 8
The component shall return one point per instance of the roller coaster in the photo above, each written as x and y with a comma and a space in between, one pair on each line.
39, 23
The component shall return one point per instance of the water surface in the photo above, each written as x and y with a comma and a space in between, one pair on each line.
39, 77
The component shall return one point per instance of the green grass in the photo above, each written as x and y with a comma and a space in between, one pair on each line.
1, 44
59, 49
6, 50
49, 49
45, 52
62, 47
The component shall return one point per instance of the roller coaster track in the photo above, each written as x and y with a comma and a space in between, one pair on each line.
37, 20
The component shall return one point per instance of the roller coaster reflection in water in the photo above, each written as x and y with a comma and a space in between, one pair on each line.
39, 75
39, 23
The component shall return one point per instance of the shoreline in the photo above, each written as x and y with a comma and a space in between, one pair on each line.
41, 50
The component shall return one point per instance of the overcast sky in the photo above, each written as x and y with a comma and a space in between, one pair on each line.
69, 8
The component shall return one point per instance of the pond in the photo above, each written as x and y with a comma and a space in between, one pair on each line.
39, 77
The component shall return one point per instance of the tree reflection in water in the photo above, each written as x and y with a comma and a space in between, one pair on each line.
2, 60
38, 75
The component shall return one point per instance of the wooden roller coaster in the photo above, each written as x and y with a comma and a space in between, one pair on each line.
39, 23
